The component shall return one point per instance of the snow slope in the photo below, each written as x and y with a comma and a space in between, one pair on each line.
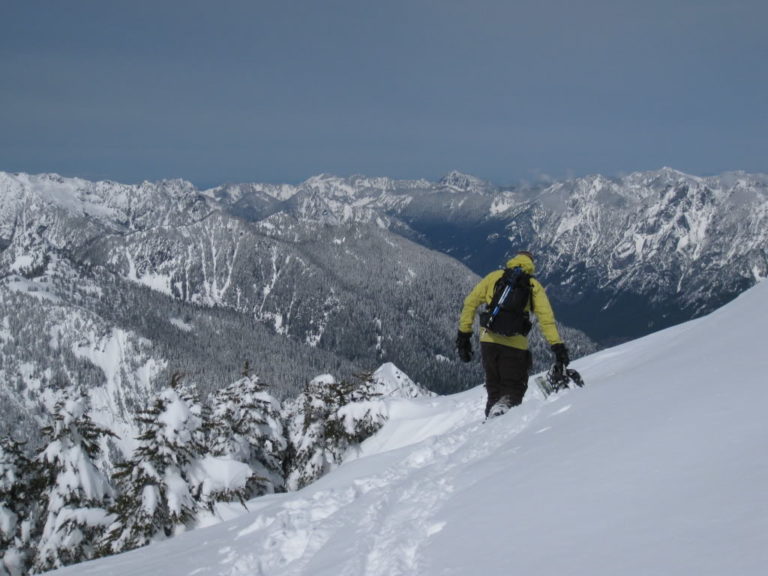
657, 467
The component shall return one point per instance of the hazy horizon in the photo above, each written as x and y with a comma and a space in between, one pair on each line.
245, 91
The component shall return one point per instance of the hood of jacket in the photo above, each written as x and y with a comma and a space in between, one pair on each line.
524, 262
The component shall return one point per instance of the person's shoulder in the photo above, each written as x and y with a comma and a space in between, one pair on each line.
493, 275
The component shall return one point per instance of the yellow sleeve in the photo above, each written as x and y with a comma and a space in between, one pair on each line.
479, 295
543, 310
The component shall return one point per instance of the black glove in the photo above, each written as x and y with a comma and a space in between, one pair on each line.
561, 354
464, 346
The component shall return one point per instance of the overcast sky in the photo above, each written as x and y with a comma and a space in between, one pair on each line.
277, 91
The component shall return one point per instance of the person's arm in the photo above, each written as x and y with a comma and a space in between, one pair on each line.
471, 303
543, 310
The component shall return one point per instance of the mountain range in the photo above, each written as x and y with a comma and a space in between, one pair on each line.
115, 287
620, 256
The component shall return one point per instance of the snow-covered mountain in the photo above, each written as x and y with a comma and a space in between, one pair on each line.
657, 466
651, 249
622, 256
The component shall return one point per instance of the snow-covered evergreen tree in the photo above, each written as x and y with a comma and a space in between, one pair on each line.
247, 426
20, 488
154, 495
78, 493
170, 477
325, 421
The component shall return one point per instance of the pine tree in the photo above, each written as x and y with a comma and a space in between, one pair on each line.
357, 417
325, 421
77, 492
20, 489
154, 495
247, 426
170, 477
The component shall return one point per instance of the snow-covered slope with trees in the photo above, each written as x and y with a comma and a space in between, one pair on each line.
85, 493
657, 466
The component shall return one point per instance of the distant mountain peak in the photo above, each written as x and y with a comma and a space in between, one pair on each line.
664, 175
669, 171
465, 182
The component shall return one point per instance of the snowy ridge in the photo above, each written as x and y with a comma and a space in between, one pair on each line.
681, 227
656, 467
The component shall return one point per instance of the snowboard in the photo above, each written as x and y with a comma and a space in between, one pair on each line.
557, 378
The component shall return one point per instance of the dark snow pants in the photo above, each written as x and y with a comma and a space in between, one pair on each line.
506, 373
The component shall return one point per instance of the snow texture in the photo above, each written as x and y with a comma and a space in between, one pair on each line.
657, 466
215, 475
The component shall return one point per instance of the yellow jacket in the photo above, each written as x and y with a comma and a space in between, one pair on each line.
483, 293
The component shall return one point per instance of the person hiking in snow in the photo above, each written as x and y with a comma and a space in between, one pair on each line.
504, 330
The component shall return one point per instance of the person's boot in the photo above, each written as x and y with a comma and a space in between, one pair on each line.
501, 407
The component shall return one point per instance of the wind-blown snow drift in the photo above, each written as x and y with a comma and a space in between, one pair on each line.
656, 467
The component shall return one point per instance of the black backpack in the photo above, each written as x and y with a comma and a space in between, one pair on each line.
506, 314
